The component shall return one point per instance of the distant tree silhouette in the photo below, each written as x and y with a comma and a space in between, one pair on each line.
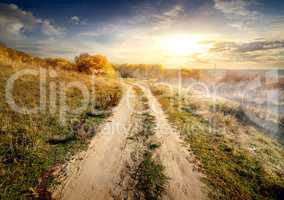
144, 71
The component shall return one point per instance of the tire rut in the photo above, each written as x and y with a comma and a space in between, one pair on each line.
185, 182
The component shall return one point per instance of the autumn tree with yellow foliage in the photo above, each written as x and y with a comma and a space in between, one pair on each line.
97, 64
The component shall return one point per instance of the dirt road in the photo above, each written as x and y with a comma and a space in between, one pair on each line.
103, 161
184, 182
103, 167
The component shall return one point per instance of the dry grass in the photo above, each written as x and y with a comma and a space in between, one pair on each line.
239, 161
27, 160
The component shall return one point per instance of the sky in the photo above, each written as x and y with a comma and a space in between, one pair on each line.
175, 33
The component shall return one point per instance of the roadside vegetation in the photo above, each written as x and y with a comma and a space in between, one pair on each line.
239, 161
33, 147
148, 173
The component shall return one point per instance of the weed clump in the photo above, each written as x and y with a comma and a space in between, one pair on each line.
151, 180
149, 173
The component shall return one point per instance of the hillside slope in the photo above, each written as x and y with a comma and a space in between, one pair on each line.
33, 146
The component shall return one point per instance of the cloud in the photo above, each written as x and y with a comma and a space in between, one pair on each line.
89, 34
15, 22
173, 12
77, 20
50, 30
261, 46
263, 53
239, 12
223, 46
167, 18
234, 7
247, 47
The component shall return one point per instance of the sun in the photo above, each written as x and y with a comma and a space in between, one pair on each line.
182, 44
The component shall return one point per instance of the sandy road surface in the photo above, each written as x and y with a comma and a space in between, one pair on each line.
98, 171
184, 181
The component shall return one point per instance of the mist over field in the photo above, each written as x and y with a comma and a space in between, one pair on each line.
254, 90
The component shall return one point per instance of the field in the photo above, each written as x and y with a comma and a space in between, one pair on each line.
238, 160
33, 147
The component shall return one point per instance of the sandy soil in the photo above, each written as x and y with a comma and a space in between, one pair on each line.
184, 182
96, 177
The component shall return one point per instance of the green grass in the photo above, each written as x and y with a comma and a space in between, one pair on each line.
231, 170
149, 174
153, 146
27, 160
150, 177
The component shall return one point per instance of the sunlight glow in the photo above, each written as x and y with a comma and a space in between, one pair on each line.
182, 44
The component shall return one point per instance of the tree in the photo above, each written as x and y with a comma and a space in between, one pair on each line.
97, 64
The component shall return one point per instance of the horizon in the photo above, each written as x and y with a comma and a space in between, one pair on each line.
188, 34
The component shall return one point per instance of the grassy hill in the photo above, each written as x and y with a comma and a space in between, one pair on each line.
32, 146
